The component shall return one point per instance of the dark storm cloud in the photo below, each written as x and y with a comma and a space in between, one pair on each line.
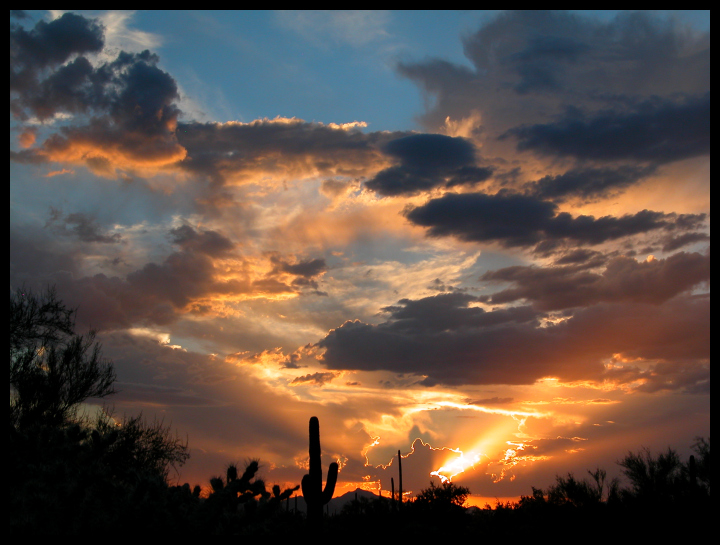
692, 377
188, 276
238, 151
305, 272
439, 285
207, 242
675, 242
624, 279
135, 119
123, 119
131, 88
155, 293
307, 269
160, 374
657, 130
529, 65
419, 334
514, 220
451, 311
428, 161
582, 257
431, 151
82, 226
130, 99
520, 352
33, 255
587, 183
183, 276
538, 50
541, 65
45, 46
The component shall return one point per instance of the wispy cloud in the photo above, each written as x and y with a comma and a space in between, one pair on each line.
349, 27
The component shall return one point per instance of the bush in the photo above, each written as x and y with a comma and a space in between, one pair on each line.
52, 369
68, 474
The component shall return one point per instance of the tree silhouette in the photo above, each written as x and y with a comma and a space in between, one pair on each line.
69, 474
665, 479
52, 369
444, 495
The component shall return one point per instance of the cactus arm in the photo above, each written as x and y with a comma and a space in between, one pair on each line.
330, 483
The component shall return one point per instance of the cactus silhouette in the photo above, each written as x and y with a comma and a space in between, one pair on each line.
400, 497
312, 489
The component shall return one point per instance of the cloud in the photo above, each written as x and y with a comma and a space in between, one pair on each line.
587, 183
306, 272
428, 161
48, 45
236, 152
84, 227
196, 279
134, 122
274, 357
53, 173
458, 344
624, 279
354, 27
241, 237
530, 63
315, 379
119, 35
514, 220
120, 118
582, 256
27, 137
492, 401
675, 242
686, 376
207, 242
307, 269
657, 130
450, 311
126, 106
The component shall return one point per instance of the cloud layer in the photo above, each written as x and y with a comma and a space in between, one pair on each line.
534, 263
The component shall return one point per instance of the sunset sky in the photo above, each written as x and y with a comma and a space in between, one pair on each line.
479, 237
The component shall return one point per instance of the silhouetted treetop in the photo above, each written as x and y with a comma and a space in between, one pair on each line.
52, 369
446, 494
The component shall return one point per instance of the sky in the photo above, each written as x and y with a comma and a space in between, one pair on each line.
481, 238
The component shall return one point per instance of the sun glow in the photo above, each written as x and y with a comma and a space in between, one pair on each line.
454, 467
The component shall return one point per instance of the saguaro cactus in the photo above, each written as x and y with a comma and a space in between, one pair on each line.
312, 489
400, 497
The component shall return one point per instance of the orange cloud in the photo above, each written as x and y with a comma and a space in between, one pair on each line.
27, 138
59, 172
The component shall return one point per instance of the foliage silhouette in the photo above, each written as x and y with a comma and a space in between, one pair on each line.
665, 480
69, 474
445, 495
82, 477
242, 504
52, 369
